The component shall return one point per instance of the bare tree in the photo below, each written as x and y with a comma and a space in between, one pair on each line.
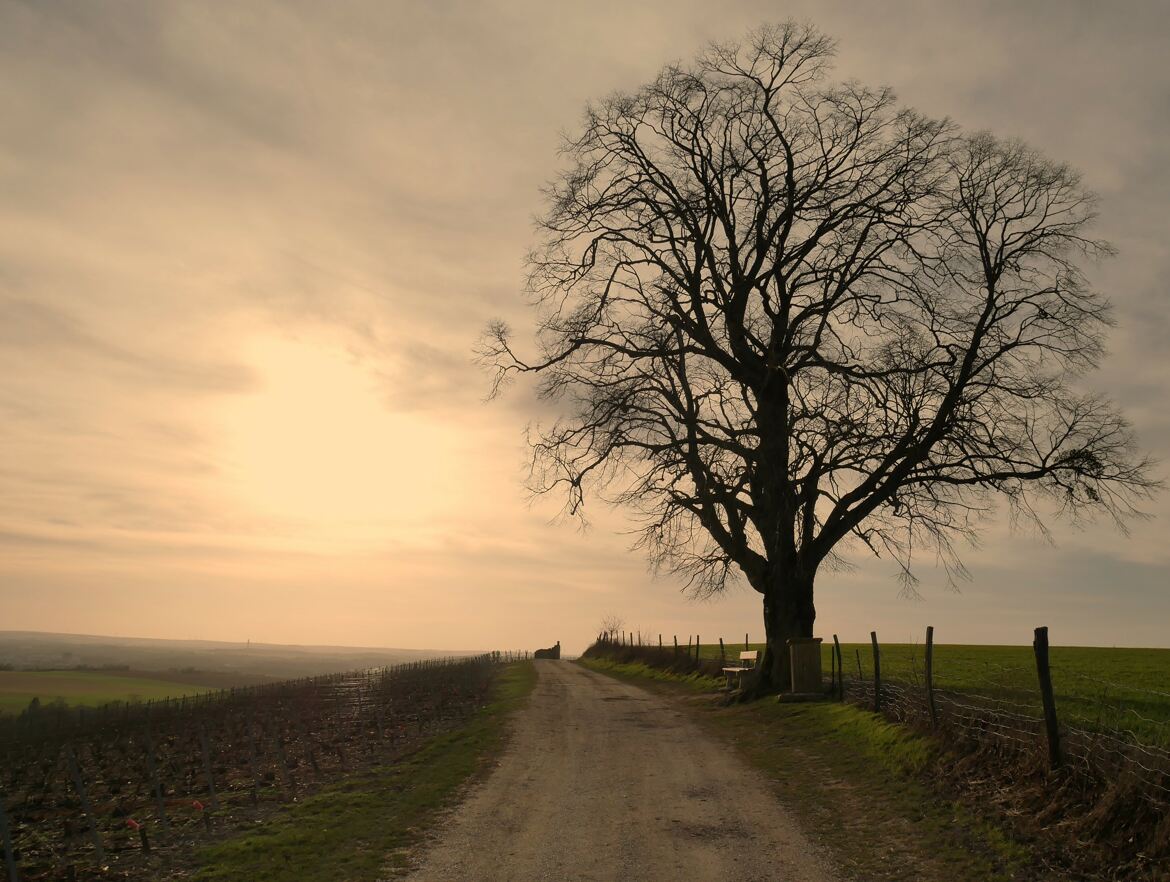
782, 314
611, 627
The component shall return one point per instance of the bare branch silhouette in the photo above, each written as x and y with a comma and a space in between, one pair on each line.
783, 314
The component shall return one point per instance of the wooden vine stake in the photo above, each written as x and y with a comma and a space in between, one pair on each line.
212, 798
6, 842
253, 765
79, 786
160, 805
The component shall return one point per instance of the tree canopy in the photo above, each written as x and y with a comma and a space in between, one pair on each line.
781, 314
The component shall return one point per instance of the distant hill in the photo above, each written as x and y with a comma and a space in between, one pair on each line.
35, 650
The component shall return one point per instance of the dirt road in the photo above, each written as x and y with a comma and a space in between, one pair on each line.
604, 781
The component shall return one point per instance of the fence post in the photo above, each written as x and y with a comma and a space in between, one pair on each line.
6, 842
696, 648
930, 676
832, 671
840, 669
722, 654
746, 648
659, 641
1040, 647
676, 644
877, 672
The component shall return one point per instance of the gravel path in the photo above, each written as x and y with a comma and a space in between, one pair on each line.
604, 781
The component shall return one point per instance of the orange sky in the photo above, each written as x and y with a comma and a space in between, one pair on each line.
245, 254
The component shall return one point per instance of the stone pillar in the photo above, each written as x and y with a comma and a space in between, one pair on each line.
805, 653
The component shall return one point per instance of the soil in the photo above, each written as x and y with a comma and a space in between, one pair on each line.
603, 780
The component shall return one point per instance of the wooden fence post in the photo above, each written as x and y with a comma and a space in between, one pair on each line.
840, 669
696, 648
659, 641
930, 676
832, 671
746, 648
877, 672
722, 654
1040, 647
857, 652
676, 644
79, 785
6, 843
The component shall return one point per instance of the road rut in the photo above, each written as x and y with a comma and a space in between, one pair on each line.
605, 781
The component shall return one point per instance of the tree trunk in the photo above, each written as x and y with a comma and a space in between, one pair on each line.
788, 613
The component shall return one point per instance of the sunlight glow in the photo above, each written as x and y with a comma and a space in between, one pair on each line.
316, 447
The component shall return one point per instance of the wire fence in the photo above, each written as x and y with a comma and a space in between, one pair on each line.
1080, 735
1014, 712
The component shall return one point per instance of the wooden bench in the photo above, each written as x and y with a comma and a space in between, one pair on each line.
735, 672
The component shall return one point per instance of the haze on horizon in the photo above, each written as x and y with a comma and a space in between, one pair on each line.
246, 253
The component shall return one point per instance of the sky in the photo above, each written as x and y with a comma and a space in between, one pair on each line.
246, 251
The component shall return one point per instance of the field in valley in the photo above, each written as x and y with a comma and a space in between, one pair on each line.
95, 688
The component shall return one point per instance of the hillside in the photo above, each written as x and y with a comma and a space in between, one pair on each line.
34, 650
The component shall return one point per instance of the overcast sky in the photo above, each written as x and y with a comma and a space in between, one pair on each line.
246, 250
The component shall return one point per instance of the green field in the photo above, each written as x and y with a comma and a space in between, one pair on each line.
1095, 687
85, 688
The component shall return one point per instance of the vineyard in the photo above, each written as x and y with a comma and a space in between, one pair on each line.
130, 790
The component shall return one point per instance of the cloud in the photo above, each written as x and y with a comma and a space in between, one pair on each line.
184, 188
44, 332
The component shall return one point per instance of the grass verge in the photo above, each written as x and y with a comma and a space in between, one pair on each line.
363, 827
858, 785
639, 671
